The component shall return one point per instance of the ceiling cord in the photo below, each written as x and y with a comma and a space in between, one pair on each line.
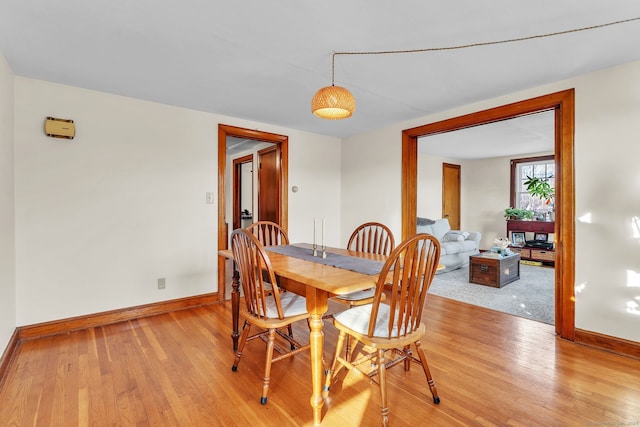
465, 46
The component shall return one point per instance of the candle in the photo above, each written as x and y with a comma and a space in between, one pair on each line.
315, 220
323, 223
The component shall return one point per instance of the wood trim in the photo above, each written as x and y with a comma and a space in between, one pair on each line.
565, 214
284, 191
564, 105
608, 343
222, 225
283, 142
108, 317
7, 356
409, 184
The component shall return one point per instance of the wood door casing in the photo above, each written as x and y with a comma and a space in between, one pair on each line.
282, 141
563, 104
451, 194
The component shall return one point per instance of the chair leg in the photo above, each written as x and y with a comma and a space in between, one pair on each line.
427, 373
407, 361
243, 340
267, 366
334, 363
293, 347
347, 348
382, 377
348, 343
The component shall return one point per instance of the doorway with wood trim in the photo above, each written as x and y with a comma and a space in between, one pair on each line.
282, 156
563, 105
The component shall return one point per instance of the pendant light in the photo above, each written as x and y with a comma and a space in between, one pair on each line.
333, 102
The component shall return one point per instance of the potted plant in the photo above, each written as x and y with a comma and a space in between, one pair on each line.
515, 213
540, 187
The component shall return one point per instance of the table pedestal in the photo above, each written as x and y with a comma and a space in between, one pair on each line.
317, 305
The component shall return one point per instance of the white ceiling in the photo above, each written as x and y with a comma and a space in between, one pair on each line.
519, 136
264, 60
237, 146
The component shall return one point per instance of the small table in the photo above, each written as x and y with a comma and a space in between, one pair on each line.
492, 270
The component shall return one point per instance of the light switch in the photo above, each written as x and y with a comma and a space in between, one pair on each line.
210, 198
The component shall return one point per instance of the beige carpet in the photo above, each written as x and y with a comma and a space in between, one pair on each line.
532, 296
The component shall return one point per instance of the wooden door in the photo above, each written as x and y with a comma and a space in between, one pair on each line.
269, 193
451, 194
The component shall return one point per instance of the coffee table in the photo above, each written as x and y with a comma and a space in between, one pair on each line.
492, 270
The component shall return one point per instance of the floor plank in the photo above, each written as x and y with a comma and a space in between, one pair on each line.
491, 369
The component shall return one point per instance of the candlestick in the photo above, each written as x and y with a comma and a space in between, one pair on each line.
324, 253
315, 248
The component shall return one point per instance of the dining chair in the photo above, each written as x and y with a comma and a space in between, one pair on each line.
269, 233
267, 309
370, 237
388, 330
373, 238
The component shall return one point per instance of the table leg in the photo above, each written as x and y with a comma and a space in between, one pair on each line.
316, 306
235, 307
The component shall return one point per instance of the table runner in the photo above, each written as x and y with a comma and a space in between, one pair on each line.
359, 265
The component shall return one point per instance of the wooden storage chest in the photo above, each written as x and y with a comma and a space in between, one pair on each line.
496, 272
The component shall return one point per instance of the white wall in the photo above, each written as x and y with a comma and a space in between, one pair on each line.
607, 187
7, 206
608, 202
429, 181
314, 167
371, 181
485, 196
247, 188
100, 218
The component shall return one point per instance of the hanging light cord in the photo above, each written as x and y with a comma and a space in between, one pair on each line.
465, 46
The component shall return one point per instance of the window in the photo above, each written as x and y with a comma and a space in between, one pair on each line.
535, 167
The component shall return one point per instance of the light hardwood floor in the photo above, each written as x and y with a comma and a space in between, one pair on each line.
491, 369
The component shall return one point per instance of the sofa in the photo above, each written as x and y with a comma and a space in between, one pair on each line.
455, 246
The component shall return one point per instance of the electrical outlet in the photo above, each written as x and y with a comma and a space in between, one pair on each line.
162, 283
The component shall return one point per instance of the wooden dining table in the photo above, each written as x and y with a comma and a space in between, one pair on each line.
317, 282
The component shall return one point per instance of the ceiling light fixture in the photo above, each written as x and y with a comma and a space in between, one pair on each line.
335, 102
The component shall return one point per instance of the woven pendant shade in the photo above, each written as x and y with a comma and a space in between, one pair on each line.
333, 102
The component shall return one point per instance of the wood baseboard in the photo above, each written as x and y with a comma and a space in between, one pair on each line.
108, 317
608, 343
7, 356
